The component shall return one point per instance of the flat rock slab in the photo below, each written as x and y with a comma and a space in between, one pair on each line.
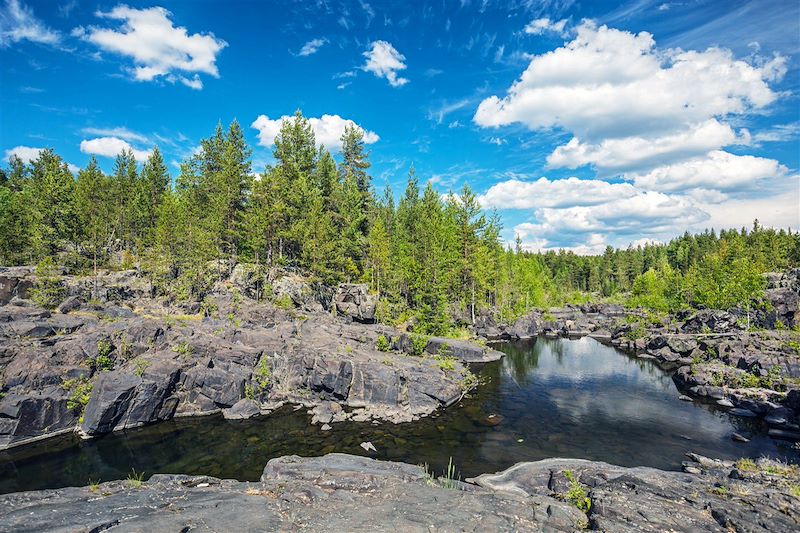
340, 492
333, 493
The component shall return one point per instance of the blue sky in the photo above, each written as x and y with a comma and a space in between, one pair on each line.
583, 123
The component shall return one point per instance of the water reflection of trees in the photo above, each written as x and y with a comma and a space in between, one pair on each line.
521, 359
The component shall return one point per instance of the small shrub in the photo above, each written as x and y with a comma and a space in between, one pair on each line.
418, 344
80, 390
94, 486
794, 490
234, 321
249, 392
721, 490
576, 494
383, 344
262, 376
461, 333
103, 361
284, 302
636, 331
446, 363
208, 307
747, 380
47, 290
469, 381
183, 349
140, 366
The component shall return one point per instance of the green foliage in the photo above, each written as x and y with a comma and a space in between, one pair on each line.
140, 366
637, 327
774, 380
450, 479
208, 307
284, 302
721, 490
249, 392
103, 361
469, 380
445, 362
383, 344
576, 493
184, 349
658, 289
80, 390
746, 465
436, 261
47, 290
724, 280
134, 480
418, 344
262, 376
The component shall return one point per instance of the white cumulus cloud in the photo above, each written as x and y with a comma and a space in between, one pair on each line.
25, 153
720, 170
634, 152
520, 194
157, 47
613, 83
328, 130
18, 23
385, 61
111, 147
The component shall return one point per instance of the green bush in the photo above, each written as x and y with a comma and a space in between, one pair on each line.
140, 366
184, 349
80, 390
103, 361
47, 290
576, 493
446, 362
262, 376
284, 302
418, 344
383, 344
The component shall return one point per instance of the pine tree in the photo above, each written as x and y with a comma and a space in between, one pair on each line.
355, 159
52, 194
123, 193
92, 192
154, 184
470, 225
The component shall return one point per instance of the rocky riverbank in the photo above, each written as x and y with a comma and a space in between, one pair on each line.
747, 363
113, 357
339, 492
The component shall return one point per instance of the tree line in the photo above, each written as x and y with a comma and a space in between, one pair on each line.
434, 260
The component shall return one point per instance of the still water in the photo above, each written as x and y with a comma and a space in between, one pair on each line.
546, 398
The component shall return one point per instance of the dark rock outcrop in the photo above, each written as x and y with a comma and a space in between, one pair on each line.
783, 295
136, 368
353, 300
339, 492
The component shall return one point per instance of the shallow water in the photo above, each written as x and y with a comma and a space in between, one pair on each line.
554, 398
